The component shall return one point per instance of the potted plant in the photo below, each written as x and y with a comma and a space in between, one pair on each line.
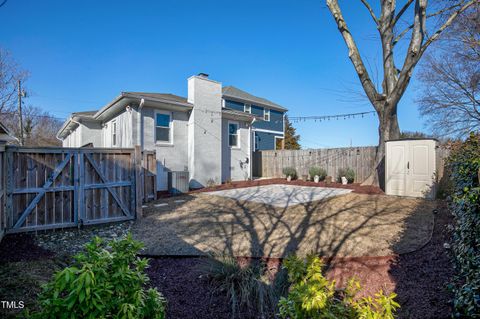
347, 173
290, 173
317, 173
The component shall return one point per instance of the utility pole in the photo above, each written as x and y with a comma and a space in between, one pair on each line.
20, 116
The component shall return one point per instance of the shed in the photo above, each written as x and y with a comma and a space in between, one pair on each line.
410, 167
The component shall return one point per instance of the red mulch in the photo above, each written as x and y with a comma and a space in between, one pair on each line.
418, 278
357, 188
189, 295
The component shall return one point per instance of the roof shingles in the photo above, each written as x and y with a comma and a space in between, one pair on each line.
233, 92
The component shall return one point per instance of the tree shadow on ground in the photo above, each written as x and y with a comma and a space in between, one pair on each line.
366, 236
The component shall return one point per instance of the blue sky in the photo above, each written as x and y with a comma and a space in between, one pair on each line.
82, 54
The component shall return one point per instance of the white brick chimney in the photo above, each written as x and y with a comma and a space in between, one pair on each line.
204, 131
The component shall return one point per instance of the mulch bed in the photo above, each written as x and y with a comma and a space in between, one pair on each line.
356, 187
21, 247
419, 278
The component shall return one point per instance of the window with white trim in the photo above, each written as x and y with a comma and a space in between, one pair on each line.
163, 126
114, 133
247, 108
266, 115
233, 134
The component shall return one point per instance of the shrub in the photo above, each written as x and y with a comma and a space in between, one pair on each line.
107, 281
315, 170
211, 183
290, 171
464, 202
248, 288
348, 173
312, 296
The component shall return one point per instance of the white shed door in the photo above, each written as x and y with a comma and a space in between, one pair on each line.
410, 168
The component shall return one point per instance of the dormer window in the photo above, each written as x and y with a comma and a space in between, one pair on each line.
247, 108
266, 115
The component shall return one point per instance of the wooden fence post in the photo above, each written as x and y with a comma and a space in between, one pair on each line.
138, 182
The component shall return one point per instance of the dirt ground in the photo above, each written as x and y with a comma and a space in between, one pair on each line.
348, 225
419, 278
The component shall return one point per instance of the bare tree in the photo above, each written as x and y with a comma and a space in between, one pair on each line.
10, 73
40, 127
450, 98
392, 28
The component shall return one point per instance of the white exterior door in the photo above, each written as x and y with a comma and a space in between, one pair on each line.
410, 168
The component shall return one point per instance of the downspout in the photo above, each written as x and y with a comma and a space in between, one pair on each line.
140, 124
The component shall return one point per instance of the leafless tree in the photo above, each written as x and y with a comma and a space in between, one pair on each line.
406, 20
40, 127
450, 98
10, 73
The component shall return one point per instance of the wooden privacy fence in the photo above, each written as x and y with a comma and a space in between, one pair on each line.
63, 187
360, 159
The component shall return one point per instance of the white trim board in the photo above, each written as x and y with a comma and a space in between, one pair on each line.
267, 131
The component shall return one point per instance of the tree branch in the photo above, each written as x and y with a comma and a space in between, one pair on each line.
431, 15
354, 54
369, 8
401, 12
447, 23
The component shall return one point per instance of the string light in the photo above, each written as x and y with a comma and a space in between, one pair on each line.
319, 118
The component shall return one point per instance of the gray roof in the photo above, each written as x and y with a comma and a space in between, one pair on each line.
233, 92
162, 96
86, 114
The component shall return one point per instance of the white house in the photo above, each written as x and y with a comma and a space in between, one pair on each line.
197, 134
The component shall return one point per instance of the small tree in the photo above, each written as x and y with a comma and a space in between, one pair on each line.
291, 136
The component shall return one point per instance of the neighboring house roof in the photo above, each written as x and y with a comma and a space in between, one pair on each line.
6, 135
236, 93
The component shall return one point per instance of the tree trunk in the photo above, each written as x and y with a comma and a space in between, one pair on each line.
388, 129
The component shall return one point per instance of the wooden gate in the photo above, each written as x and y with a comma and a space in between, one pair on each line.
64, 187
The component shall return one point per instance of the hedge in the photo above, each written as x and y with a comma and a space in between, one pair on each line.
464, 202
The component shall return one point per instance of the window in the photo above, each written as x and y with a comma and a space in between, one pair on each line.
247, 108
266, 115
162, 127
114, 133
233, 134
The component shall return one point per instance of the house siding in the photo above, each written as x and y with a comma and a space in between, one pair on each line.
276, 117
170, 157
86, 133
265, 141
123, 131
234, 160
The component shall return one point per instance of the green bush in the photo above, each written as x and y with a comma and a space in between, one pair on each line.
464, 202
348, 173
107, 281
312, 296
315, 170
248, 288
290, 171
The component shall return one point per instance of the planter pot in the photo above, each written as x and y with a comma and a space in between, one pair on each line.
316, 178
344, 180
289, 178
